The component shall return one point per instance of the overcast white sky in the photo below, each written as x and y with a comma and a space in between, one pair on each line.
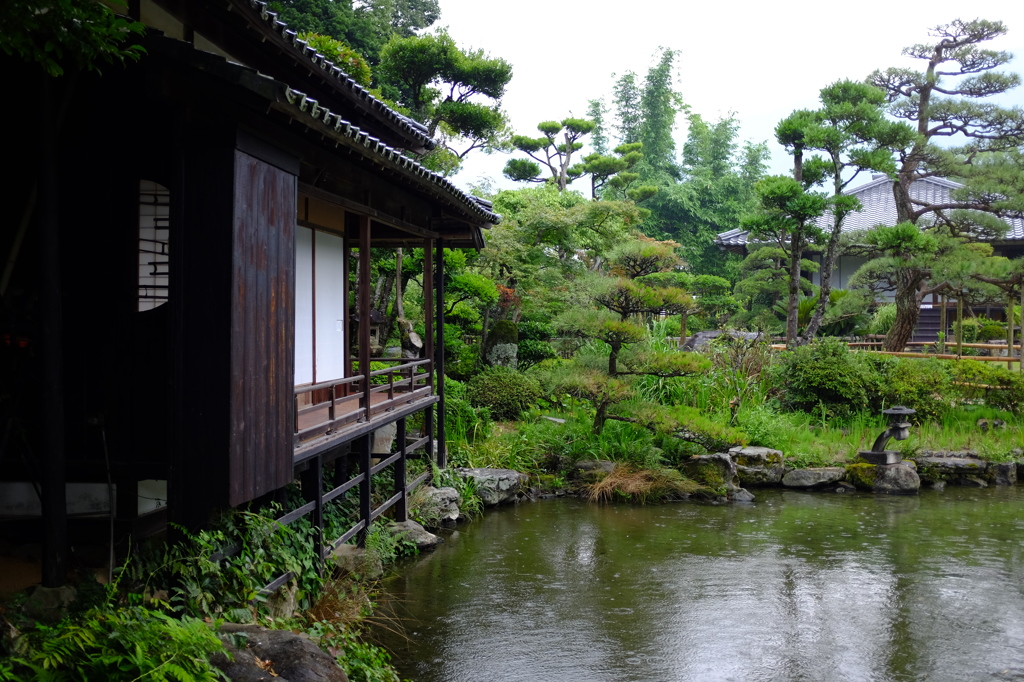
760, 60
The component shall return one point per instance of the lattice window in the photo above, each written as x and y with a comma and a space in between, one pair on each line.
154, 234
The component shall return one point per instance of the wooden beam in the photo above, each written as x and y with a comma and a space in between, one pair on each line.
363, 209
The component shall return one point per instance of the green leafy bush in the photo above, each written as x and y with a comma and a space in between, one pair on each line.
532, 351
924, 385
826, 376
115, 643
998, 387
535, 331
505, 391
882, 320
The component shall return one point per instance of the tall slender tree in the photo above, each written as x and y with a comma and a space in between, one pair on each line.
851, 131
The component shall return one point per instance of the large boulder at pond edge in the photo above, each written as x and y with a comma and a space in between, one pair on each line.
496, 486
895, 479
415, 533
758, 466
813, 478
439, 505
279, 655
952, 467
715, 471
592, 470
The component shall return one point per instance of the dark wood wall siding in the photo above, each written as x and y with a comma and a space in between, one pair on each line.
262, 315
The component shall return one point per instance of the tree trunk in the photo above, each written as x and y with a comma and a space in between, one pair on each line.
682, 329
960, 323
943, 324
600, 417
908, 308
828, 264
1009, 328
793, 304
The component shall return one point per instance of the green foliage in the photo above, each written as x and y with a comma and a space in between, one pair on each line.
925, 385
69, 34
532, 352
343, 56
115, 642
882, 319
999, 387
506, 392
440, 85
550, 152
825, 375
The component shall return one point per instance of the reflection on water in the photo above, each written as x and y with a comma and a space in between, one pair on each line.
796, 586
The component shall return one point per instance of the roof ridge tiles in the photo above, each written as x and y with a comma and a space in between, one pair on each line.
414, 129
306, 104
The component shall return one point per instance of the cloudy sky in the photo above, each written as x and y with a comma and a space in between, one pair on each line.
759, 60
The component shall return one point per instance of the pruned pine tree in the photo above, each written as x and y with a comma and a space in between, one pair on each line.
550, 152
787, 221
942, 102
609, 380
853, 135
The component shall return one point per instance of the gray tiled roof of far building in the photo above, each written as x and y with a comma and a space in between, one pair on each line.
879, 208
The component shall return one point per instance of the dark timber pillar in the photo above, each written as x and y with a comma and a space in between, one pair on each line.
442, 446
51, 413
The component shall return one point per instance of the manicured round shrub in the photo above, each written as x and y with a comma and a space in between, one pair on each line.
535, 331
826, 375
925, 385
505, 391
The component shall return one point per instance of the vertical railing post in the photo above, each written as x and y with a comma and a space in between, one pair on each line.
312, 481
331, 393
365, 488
428, 428
442, 445
428, 308
402, 506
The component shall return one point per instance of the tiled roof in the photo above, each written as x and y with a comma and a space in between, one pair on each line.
879, 208
392, 158
299, 106
417, 131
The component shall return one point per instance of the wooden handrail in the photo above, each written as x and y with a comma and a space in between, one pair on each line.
299, 390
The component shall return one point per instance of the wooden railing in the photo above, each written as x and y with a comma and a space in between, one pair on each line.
355, 399
312, 480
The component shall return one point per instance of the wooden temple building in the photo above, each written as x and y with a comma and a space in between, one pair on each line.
189, 242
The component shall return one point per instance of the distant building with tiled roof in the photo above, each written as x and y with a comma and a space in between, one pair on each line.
879, 208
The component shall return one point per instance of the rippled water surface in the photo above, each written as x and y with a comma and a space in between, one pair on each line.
795, 586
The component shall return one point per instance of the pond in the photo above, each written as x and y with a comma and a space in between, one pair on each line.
795, 586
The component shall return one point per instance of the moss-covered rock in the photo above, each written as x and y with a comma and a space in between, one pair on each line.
756, 466
862, 475
715, 471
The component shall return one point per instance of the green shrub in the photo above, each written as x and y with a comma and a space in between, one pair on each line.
505, 391
115, 643
998, 387
924, 385
882, 320
535, 331
971, 327
825, 376
532, 351
990, 331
